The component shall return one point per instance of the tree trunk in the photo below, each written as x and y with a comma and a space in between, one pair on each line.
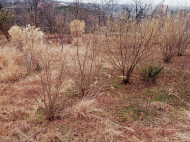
128, 75
126, 80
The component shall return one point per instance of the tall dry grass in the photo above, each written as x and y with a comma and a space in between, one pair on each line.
85, 108
16, 37
29, 40
11, 65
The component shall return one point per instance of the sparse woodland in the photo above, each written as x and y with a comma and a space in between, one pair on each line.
79, 72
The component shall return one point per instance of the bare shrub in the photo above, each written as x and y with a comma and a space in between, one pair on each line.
51, 81
129, 42
184, 33
174, 37
86, 66
77, 28
168, 40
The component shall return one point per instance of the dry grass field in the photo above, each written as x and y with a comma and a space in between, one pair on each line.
78, 95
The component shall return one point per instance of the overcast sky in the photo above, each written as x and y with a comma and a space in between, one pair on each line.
167, 2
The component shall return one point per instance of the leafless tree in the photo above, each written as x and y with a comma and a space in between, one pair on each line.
49, 13
129, 9
103, 9
141, 6
63, 35
99, 13
32, 9
111, 8
75, 8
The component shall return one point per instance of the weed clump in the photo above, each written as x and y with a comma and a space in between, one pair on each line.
150, 73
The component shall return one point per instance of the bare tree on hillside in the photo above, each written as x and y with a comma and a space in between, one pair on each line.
32, 9
75, 8
129, 9
49, 13
104, 9
112, 8
141, 6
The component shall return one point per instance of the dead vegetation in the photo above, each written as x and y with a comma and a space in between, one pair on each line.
91, 90
175, 33
130, 43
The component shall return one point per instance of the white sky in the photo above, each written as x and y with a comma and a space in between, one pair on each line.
167, 2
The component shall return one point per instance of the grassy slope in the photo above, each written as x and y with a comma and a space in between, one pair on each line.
153, 112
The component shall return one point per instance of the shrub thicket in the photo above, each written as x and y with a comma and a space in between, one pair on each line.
174, 37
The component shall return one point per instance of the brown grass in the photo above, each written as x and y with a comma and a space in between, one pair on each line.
84, 108
131, 112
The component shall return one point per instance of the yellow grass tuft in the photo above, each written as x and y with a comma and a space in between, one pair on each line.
32, 37
28, 37
77, 28
84, 108
11, 65
15, 33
